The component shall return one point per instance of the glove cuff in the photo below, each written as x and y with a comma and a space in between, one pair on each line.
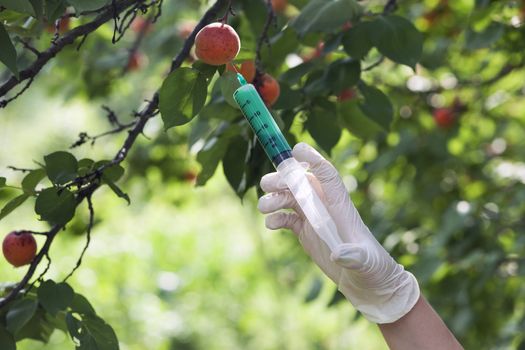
388, 304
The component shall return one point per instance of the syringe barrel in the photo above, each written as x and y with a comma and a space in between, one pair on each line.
294, 175
260, 119
279, 151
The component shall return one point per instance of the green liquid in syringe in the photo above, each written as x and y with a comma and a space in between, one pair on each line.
262, 123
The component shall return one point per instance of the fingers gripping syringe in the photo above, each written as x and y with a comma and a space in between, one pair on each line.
280, 153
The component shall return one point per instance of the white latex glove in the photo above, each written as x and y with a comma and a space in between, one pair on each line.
365, 273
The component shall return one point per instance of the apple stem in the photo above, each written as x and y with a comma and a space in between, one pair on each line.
229, 11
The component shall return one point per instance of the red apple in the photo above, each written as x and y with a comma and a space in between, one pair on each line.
19, 248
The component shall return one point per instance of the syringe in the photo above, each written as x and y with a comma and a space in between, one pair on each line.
280, 153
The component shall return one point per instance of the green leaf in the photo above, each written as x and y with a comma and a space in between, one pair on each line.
293, 75
396, 38
200, 129
7, 342
74, 326
229, 83
85, 166
182, 96
55, 297
336, 298
281, 45
118, 191
209, 158
8, 52
39, 327
85, 163
97, 331
234, 164
12, 205
112, 173
81, 305
356, 122
315, 290
55, 206
288, 98
332, 43
20, 312
86, 5
377, 106
21, 6
91, 333
2, 181
253, 10
342, 74
307, 15
219, 110
213, 151
316, 83
205, 69
356, 41
54, 9
326, 15
32, 179
61, 167
486, 38
322, 125
38, 7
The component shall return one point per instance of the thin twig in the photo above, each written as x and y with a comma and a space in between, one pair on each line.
229, 10
375, 64
43, 273
112, 116
24, 170
88, 237
67, 39
263, 38
159, 12
125, 23
138, 40
82, 41
4, 103
84, 137
28, 46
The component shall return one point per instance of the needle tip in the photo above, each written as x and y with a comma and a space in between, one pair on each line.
241, 79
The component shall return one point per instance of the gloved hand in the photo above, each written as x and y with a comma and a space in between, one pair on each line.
365, 273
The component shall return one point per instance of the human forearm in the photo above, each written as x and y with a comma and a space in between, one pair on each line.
420, 329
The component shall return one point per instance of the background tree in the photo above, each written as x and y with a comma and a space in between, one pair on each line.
420, 104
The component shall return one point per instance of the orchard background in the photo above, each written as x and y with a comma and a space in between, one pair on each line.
114, 138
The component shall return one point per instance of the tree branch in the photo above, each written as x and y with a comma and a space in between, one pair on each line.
67, 39
83, 137
149, 111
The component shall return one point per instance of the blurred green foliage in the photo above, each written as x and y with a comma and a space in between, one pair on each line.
186, 267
